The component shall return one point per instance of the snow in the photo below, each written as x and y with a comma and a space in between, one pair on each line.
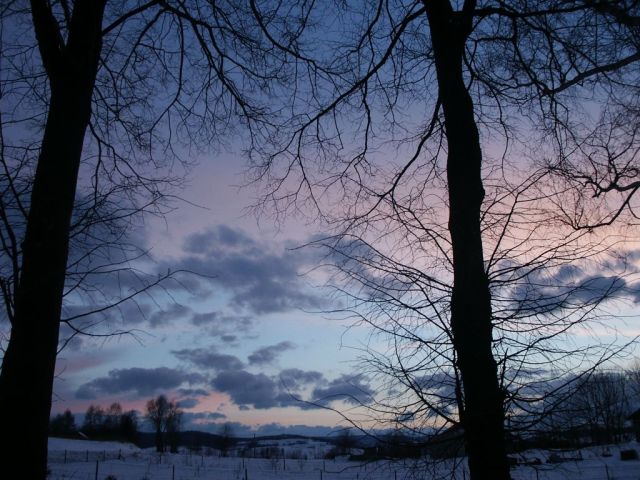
79, 459
62, 444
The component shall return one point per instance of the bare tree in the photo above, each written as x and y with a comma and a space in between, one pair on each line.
227, 438
63, 424
593, 409
549, 286
438, 80
98, 100
165, 417
93, 419
173, 425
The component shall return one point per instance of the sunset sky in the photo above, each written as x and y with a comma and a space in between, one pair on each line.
245, 330
247, 341
239, 345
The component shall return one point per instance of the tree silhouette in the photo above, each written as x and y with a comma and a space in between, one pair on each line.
227, 438
98, 99
448, 84
550, 286
63, 424
164, 416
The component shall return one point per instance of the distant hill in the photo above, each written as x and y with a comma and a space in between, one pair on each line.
194, 438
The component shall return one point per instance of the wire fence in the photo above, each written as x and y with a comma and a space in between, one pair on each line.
141, 465
95, 465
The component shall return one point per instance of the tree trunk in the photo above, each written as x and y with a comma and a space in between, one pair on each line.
26, 380
483, 416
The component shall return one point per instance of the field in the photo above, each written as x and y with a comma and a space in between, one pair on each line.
85, 460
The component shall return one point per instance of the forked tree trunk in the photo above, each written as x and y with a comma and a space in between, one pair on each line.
483, 416
28, 365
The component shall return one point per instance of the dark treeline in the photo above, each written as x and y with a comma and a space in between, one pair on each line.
111, 423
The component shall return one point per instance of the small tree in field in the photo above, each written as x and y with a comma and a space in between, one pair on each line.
173, 421
227, 438
63, 424
345, 442
93, 420
164, 416
129, 425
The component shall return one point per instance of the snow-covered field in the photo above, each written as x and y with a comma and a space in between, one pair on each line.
86, 460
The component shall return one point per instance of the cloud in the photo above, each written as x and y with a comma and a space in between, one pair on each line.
268, 354
296, 379
141, 381
256, 390
353, 389
259, 280
171, 314
209, 359
220, 236
568, 288
261, 391
195, 392
188, 402
218, 324
202, 420
246, 388
131, 312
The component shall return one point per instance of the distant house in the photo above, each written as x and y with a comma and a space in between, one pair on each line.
635, 420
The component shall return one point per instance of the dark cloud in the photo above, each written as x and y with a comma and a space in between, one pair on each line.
285, 390
354, 389
633, 291
296, 379
257, 390
192, 392
127, 313
259, 280
218, 324
214, 239
595, 288
142, 381
169, 315
209, 359
188, 402
204, 421
269, 353
543, 293
244, 388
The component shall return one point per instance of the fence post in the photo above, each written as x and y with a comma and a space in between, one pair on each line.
97, 463
87, 455
246, 475
65, 456
173, 472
